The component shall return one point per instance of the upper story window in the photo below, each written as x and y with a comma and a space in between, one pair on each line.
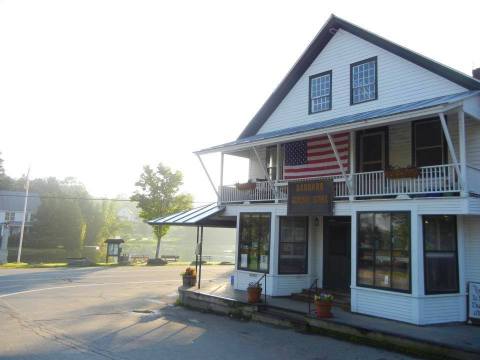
428, 143
363, 81
320, 92
9, 216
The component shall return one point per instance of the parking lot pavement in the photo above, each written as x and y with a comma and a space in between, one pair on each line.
129, 313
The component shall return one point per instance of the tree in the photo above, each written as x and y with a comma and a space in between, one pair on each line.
157, 195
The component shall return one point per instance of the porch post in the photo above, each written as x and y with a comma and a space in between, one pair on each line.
220, 188
353, 148
463, 149
353, 256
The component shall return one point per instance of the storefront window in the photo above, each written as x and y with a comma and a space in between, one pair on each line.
293, 245
383, 259
254, 242
440, 247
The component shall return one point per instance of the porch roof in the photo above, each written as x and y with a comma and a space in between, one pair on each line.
206, 215
335, 124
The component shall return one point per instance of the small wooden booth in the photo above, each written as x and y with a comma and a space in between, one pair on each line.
114, 248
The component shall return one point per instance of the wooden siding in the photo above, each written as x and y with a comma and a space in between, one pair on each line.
399, 82
383, 304
472, 248
442, 309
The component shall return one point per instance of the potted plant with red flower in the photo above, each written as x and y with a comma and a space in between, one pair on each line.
189, 277
323, 303
254, 292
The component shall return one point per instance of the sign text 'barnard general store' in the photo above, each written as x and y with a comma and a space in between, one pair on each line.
312, 197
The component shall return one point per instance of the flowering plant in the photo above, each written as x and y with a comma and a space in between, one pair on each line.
189, 272
254, 285
323, 297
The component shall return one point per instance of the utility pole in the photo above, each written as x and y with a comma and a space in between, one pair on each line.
22, 230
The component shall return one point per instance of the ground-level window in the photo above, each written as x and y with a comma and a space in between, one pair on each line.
383, 259
293, 245
254, 242
440, 248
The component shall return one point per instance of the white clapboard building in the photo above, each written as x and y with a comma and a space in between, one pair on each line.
364, 180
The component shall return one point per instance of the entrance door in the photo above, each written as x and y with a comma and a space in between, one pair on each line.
336, 253
372, 150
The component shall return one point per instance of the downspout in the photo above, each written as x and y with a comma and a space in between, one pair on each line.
265, 172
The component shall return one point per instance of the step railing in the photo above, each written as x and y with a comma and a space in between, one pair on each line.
313, 288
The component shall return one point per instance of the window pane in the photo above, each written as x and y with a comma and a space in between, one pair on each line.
364, 81
366, 235
400, 231
382, 268
254, 242
428, 133
429, 157
293, 245
440, 233
441, 273
372, 148
320, 93
382, 231
401, 270
440, 246
365, 267
384, 250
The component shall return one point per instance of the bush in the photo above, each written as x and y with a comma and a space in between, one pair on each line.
157, 262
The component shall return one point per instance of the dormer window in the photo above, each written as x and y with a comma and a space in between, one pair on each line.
363, 81
320, 92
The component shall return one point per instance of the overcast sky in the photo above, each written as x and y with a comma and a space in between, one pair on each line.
96, 89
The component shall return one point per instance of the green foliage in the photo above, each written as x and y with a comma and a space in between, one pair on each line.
157, 195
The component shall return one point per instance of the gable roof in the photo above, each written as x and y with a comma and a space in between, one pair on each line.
318, 44
15, 200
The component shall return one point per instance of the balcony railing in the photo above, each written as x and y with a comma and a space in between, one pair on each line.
431, 180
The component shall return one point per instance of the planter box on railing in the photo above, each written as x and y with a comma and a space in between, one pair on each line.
246, 186
411, 172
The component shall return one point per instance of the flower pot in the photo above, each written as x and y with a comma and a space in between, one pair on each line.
254, 294
189, 280
324, 309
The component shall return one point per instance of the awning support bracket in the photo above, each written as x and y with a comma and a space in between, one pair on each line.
340, 165
451, 148
208, 176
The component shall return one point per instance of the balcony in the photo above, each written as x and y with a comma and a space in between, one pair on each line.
431, 181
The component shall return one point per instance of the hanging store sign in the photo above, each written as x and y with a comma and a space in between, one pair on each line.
313, 197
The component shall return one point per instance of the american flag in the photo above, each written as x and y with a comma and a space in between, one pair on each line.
315, 157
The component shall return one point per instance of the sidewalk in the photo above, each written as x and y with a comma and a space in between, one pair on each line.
457, 341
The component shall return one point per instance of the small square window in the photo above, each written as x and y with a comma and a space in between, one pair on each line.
320, 92
363, 80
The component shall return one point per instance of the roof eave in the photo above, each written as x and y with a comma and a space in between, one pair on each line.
412, 115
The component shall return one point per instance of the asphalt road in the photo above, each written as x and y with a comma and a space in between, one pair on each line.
129, 313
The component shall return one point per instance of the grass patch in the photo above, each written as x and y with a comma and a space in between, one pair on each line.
31, 266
